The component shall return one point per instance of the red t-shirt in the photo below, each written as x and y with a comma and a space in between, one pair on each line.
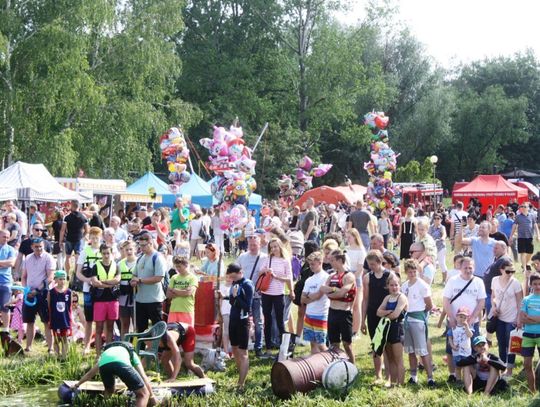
154, 233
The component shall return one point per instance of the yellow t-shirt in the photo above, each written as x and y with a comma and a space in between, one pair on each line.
179, 282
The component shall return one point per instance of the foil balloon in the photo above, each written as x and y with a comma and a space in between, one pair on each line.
173, 148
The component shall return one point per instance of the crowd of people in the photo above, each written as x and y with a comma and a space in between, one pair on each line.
348, 270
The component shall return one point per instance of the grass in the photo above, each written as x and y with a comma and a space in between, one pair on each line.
22, 373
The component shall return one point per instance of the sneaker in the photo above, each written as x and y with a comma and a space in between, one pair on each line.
431, 383
412, 381
451, 379
259, 353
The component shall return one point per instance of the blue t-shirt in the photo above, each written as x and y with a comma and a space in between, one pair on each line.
482, 255
506, 226
6, 252
531, 305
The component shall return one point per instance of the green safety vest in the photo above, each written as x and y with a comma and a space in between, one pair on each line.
126, 273
102, 275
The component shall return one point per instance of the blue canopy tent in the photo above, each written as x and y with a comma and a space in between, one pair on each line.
199, 191
255, 202
149, 180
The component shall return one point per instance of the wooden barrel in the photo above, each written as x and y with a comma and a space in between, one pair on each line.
301, 374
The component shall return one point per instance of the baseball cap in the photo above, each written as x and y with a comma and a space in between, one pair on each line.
60, 274
463, 311
478, 340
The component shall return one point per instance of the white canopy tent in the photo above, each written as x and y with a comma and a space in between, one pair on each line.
33, 182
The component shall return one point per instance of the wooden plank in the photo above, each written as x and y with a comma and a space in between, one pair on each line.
94, 386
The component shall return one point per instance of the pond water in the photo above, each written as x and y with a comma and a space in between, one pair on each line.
32, 397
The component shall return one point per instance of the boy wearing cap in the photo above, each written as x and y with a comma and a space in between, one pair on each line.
59, 300
482, 371
459, 338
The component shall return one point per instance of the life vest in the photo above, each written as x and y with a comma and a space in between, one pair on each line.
126, 273
336, 280
102, 275
91, 259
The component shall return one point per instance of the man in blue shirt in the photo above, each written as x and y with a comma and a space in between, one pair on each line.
482, 248
8, 256
241, 298
526, 226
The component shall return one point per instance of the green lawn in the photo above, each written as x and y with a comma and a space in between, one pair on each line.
40, 369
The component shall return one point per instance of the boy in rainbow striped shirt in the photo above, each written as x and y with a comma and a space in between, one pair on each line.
317, 305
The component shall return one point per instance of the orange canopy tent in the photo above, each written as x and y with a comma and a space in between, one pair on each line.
489, 190
347, 194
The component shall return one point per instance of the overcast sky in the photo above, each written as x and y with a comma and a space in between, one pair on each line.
456, 31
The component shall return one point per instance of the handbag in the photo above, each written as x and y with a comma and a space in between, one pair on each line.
264, 280
491, 323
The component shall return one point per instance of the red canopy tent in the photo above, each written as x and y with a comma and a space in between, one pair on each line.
334, 195
489, 190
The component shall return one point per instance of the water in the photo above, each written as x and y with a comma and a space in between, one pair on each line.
32, 397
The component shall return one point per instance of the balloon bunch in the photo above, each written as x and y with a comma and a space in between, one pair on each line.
290, 190
230, 160
173, 149
383, 162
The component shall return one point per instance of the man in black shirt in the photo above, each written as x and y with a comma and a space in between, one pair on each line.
74, 228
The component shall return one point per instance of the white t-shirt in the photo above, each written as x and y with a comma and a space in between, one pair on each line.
415, 294
356, 258
462, 341
225, 289
506, 300
312, 285
195, 226
469, 298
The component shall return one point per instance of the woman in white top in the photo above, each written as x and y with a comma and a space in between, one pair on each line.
357, 254
506, 296
195, 226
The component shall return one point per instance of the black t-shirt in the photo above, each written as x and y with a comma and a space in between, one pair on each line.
96, 220
26, 246
57, 227
75, 222
102, 294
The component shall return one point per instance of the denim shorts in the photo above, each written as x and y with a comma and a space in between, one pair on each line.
73, 247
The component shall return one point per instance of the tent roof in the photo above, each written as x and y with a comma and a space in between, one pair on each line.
148, 180
520, 174
490, 185
349, 194
196, 186
33, 182
529, 186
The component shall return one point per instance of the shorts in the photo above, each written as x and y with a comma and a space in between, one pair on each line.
186, 317
62, 333
239, 333
5, 297
339, 326
395, 333
529, 343
188, 344
480, 385
106, 311
88, 307
131, 378
73, 247
56, 248
41, 308
415, 340
525, 245
458, 358
315, 329
126, 312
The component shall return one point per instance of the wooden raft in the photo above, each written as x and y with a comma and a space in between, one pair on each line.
97, 387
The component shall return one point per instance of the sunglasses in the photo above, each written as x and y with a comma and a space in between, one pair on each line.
38, 230
509, 271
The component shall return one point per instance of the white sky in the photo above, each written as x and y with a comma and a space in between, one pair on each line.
456, 31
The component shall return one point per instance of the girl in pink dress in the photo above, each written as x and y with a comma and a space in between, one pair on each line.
16, 316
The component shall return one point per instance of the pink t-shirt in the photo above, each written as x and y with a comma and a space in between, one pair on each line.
282, 268
37, 269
